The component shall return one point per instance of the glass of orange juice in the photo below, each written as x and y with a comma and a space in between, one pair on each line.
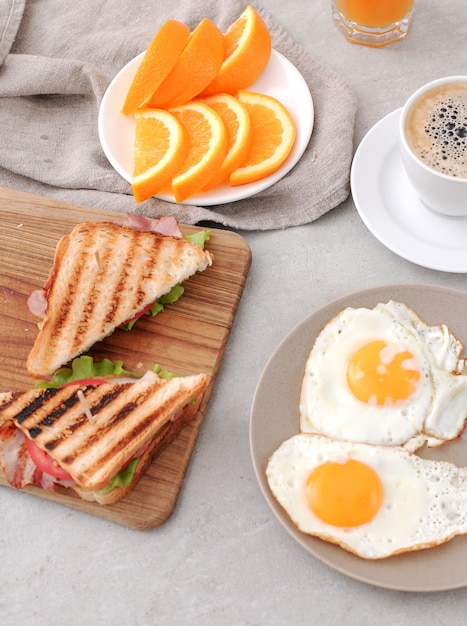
372, 22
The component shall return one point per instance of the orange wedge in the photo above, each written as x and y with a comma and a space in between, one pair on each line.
273, 137
161, 145
247, 51
208, 143
237, 122
158, 60
194, 70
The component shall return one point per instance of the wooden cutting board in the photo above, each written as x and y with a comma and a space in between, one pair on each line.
187, 337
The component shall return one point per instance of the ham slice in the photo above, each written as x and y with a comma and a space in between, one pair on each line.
16, 464
15, 461
166, 225
37, 303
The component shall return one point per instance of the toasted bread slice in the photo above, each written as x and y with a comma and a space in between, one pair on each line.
93, 432
103, 275
166, 435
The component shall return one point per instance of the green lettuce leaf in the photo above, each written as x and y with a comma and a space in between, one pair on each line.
85, 367
163, 373
123, 478
199, 238
169, 298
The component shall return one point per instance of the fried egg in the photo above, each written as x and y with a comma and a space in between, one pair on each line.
373, 501
383, 376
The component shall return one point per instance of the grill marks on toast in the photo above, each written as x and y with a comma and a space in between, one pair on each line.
100, 285
126, 416
103, 275
56, 409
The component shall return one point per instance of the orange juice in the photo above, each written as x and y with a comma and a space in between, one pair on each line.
374, 13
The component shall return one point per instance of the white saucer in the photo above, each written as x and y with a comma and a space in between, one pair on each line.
391, 210
280, 79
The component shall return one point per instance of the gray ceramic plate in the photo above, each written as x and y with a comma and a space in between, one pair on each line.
275, 417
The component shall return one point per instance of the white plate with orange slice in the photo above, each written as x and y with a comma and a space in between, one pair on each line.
280, 79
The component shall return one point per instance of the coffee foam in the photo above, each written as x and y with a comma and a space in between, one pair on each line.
436, 129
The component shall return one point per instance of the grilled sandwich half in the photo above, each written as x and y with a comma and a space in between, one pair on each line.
103, 275
92, 432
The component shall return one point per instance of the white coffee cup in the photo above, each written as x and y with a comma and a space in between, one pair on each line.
434, 148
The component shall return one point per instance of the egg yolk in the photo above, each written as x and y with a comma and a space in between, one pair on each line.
380, 373
344, 494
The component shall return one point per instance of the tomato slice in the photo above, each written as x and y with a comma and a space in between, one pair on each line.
45, 462
140, 314
90, 382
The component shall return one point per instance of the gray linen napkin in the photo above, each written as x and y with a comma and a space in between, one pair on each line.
57, 58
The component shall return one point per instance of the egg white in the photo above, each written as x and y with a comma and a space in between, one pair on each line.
424, 501
436, 412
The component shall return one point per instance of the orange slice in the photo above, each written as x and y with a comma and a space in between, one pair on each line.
237, 122
273, 137
161, 145
158, 60
247, 51
207, 148
194, 70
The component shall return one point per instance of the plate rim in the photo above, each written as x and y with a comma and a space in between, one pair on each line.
223, 194
370, 572
403, 243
